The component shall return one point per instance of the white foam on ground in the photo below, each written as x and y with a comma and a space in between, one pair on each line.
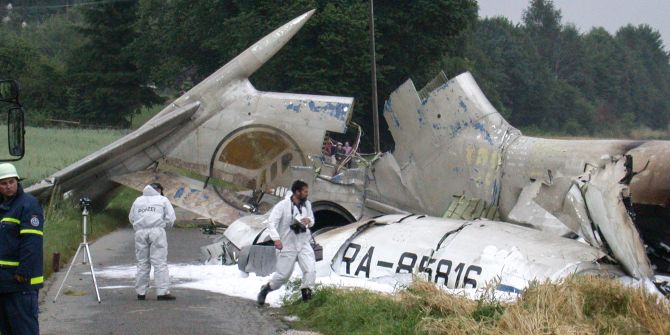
115, 287
229, 280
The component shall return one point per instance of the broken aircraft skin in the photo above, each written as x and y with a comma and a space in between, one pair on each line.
224, 136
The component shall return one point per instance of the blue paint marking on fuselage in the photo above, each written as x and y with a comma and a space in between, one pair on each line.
336, 110
389, 109
479, 126
421, 117
457, 128
507, 288
179, 193
462, 104
293, 107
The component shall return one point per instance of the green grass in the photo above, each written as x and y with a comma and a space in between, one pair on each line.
51, 149
62, 230
576, 305
144, 115
356, 311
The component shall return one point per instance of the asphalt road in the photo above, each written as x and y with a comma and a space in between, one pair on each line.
194, 311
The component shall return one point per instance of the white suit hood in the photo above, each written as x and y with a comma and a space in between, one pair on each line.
151, 210
149, 191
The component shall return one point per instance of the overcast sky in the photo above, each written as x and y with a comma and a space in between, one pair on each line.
610, 14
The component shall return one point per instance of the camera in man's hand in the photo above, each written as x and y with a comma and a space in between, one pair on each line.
298, 227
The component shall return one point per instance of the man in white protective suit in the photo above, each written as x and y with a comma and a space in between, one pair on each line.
150, 215
288, 226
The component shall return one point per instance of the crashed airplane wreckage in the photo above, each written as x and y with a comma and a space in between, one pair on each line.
457, 159
492, 202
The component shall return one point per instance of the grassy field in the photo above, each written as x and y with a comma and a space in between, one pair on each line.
578, 305
51, 149
144, 114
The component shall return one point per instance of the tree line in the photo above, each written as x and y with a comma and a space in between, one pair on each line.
99, 62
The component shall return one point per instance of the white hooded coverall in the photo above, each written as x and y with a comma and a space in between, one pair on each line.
150, 215
295, 246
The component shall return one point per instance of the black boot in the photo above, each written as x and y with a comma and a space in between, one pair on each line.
167, 296
265, 289
306, 294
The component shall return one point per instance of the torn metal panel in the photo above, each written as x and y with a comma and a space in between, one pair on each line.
449, 144
470, 209
556, 164
247, 229
605, 203
385, 182
184, 192
529, 212
541, 159
553, 198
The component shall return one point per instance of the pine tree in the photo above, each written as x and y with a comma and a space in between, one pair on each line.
105, 85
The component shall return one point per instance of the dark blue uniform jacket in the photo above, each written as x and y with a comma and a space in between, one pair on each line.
21, 237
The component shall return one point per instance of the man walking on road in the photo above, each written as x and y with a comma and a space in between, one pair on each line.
288, 226
21, 233
150, 215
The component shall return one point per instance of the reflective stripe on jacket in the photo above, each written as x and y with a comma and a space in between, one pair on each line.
21, 242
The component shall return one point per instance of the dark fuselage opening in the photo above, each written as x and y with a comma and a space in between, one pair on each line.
653, 223
327, 214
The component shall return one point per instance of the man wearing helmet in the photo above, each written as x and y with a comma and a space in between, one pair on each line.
21, 240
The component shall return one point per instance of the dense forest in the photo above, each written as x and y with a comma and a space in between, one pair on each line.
99, 62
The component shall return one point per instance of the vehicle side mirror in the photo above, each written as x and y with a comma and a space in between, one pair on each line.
15, 136
9, 91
